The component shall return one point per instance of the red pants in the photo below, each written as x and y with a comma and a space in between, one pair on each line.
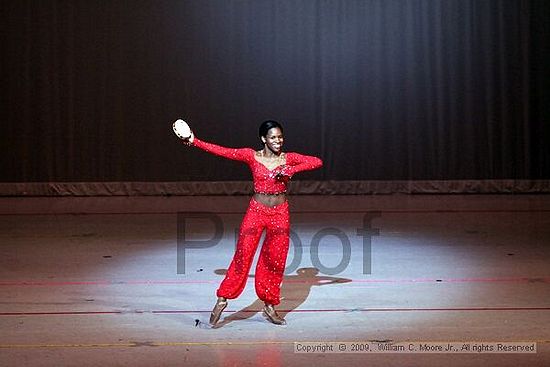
272, 260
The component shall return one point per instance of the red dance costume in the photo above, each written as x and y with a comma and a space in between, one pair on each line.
276, 221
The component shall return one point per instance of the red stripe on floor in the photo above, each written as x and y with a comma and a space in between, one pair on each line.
305, 281
451, 309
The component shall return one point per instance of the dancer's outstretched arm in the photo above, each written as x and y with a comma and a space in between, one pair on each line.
237, 154
298, 162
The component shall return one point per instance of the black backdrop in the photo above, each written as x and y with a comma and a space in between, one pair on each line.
381, 90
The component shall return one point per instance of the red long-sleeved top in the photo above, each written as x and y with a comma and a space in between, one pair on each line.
265, 180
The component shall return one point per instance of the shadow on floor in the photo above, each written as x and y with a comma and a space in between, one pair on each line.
294, 291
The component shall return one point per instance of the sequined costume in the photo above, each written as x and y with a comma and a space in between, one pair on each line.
275, 220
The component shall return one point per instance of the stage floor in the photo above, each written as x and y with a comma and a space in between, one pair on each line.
130, 281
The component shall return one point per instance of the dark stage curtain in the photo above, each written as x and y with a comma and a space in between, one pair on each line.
381, 90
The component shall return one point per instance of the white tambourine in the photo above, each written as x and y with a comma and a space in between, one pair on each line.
182, 129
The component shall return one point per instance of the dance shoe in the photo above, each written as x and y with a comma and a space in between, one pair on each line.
220, 305
270, 314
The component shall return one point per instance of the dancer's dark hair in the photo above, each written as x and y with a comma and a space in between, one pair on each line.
267, 125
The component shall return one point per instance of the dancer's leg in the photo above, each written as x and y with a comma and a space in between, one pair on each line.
249, 236
272, 261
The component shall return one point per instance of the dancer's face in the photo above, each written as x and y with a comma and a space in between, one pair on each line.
274, 140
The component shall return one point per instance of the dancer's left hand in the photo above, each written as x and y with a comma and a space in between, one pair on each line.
282, 174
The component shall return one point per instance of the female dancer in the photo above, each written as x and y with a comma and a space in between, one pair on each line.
268, 209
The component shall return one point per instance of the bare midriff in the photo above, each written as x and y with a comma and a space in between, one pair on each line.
270, 200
